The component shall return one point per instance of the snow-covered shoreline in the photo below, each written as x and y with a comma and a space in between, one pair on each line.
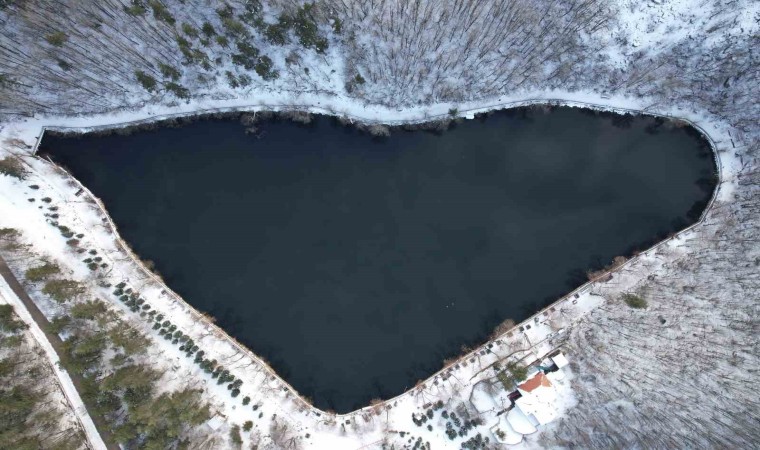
30, 129
537, 333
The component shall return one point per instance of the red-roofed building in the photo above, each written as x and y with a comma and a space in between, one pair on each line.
537, 399
538, 380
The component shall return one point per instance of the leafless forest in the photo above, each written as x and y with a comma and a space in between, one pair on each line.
82, 56
682, 373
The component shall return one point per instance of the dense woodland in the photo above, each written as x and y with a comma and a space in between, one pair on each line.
33, 410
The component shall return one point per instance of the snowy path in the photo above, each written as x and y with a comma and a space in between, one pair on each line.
64, 380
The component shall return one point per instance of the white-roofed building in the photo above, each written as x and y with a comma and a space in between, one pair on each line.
520, 422
559, 360
215, 422
537, 400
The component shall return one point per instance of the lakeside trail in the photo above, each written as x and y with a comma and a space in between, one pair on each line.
98, 438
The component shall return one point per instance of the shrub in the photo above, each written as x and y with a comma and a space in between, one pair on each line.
57, 38
161, 13
231, 79
252, 13
189, 30
63, 290
337, 25
306, 29
12, 167
379, 130
513, 374
263, 68
63, 65
277, 33
222, 41
8, 321
235, 435
235, 27
518, 372
136, 9
58, 324
169, 72
224, 12
147, 81
208, 30
189, 52
246, 400
244, 80
178, 90
9, 233
634, 301
88, 310
42, 272
247, 425
248, 56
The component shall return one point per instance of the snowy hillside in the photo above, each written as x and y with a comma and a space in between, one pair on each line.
680, 372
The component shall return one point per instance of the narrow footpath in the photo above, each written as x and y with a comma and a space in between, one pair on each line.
95, 428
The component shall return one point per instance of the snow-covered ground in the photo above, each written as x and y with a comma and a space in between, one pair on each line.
453, 385
695, 345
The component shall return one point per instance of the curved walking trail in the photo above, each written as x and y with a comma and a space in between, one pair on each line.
95, 428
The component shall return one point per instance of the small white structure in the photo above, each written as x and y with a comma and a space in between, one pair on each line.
215, 422
559, 360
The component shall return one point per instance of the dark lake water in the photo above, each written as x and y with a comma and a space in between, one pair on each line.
356, 265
